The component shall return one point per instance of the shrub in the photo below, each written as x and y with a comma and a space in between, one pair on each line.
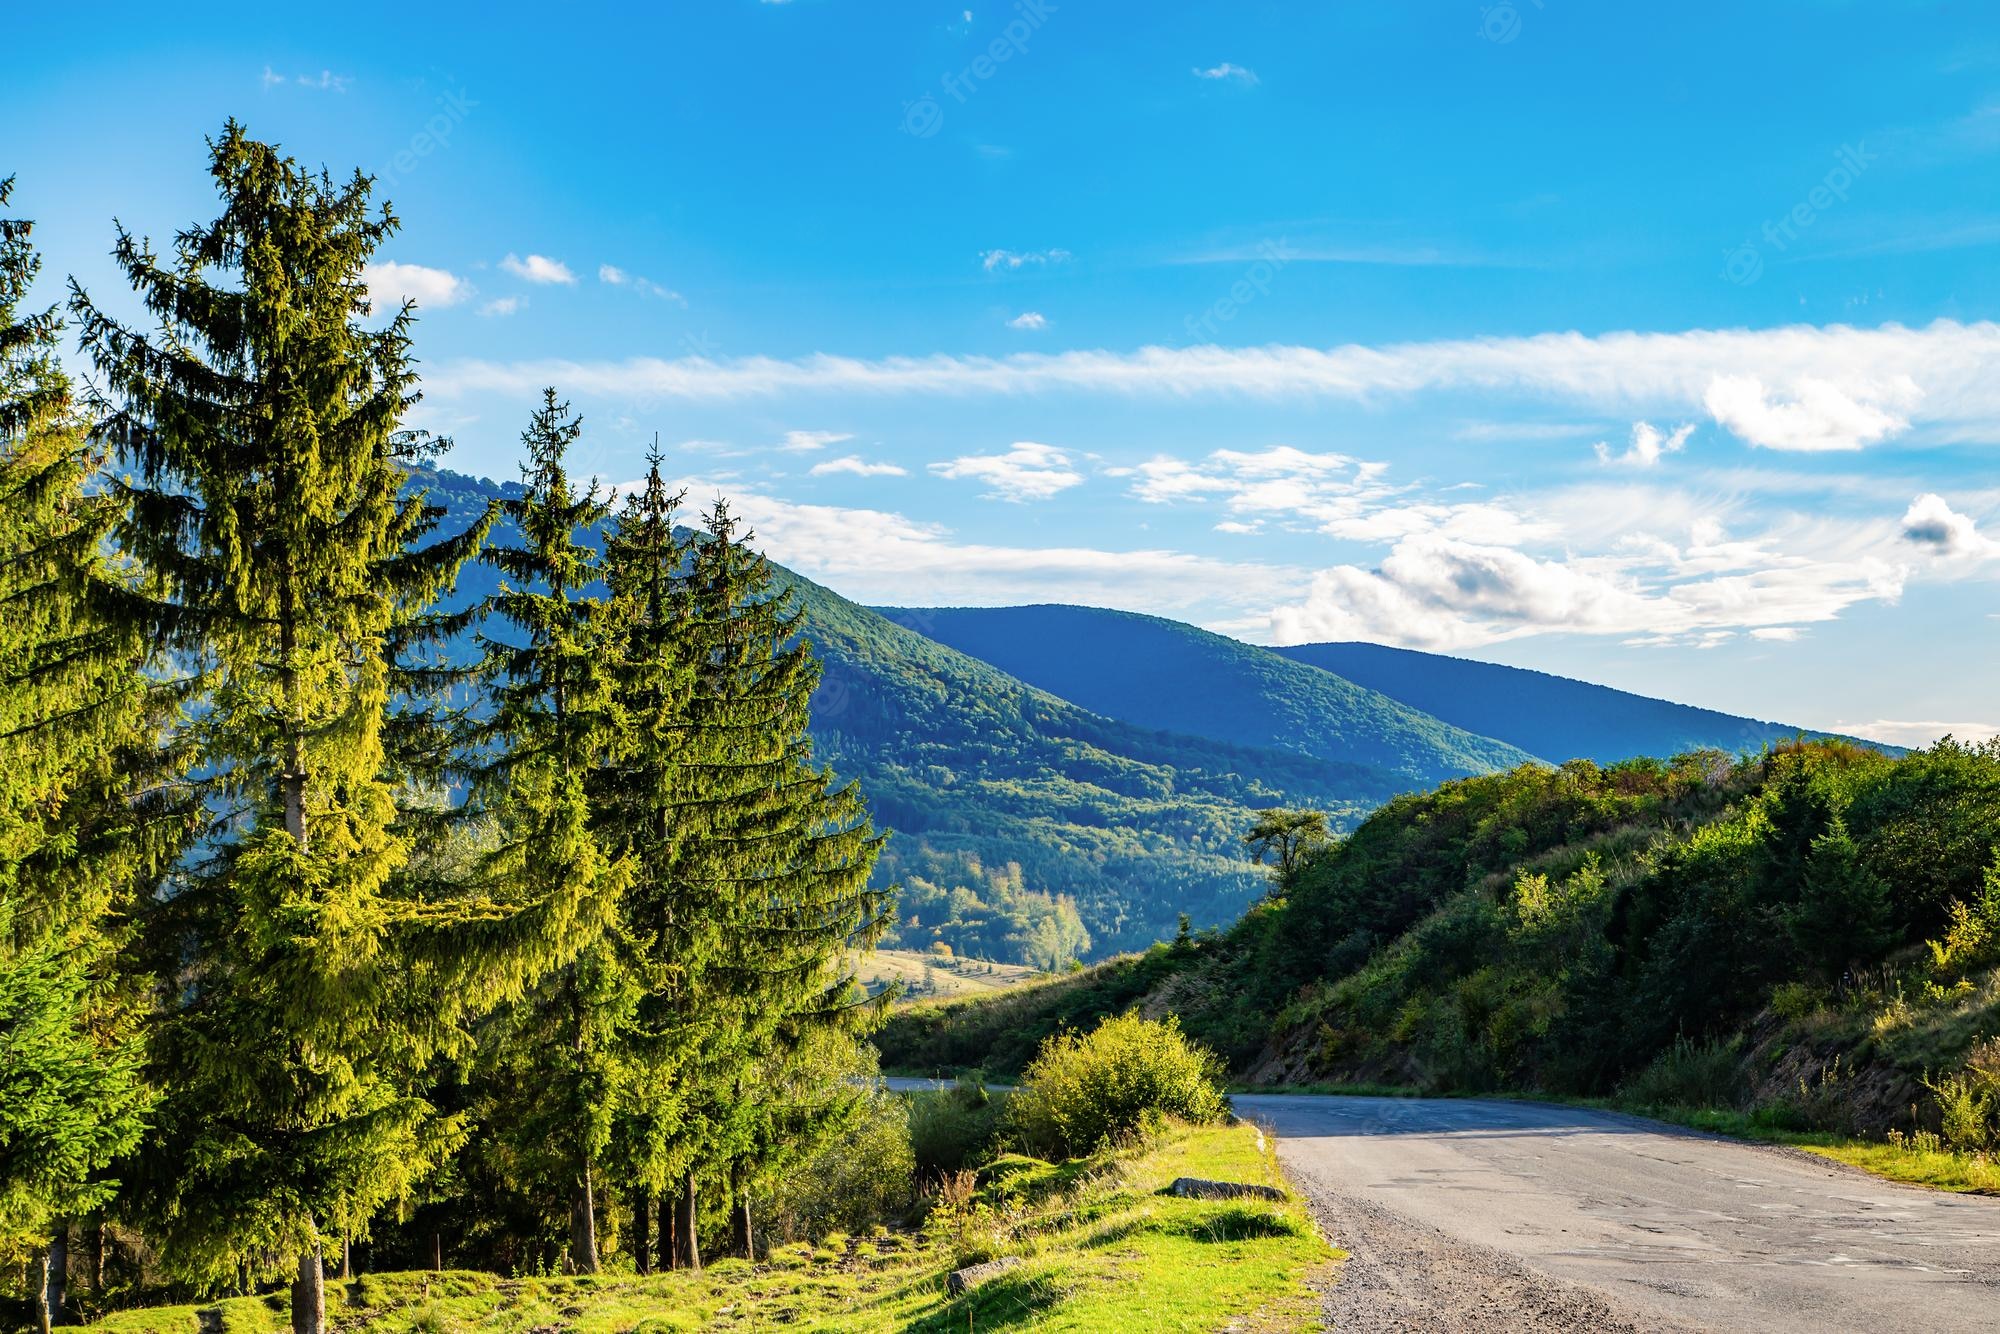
953, 1128
1689, 1074
861, 1178
1121, 1079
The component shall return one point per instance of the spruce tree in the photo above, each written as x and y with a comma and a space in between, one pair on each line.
260, 422
549, 652
642, 808
87, 820
783, 851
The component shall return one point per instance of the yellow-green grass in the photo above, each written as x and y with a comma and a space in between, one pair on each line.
1914, 1160
1102, 1250
948, 978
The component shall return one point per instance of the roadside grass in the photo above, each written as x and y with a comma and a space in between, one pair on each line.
1101, 1248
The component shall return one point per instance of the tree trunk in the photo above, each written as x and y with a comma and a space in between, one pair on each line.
38, 1285
642, 1233
583, 1227
97, 1259
684, 1225
437, 1253
309, 1292
739, 1216
670, 1246
346, 1259
58, 1283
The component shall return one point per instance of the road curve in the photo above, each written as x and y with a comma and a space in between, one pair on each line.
1475, 1215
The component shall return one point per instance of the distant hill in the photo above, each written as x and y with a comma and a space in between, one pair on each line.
1553, 716
1162, 674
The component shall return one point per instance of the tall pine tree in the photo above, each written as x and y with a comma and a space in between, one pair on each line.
783, 852
554, 723
87, 820
261, 421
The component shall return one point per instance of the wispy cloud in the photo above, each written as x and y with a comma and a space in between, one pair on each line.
858, 466
613, 276
324, 81
1030, 320
538, 269
802, 441
1796, 387
1009, 261
501, 306
1898, 733
1028, 471
1227, 72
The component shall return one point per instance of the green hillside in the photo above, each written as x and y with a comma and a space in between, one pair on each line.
1552, 716
1006, 799
1810, 938
1158, 673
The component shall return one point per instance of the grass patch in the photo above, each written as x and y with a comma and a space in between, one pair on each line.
1103, 1250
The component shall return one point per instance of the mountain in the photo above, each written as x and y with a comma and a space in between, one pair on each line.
1158, 673
1026, 828
1553, 716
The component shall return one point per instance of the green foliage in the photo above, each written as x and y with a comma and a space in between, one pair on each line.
1120, 1079
85, 828
955, 1128
1690, 1074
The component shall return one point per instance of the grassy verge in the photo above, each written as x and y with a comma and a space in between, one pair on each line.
1102, 1250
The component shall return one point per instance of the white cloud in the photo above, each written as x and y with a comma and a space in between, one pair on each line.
501, 305
857, 465
391, 283
1917, 734
614, 276
1010, 260
1029, 319
876, 556
1822, 416
1944, 377
1933, 523
801, 441
1233, 73
1028, 471
1649, 445
538, 269
1777, 634
1437, 591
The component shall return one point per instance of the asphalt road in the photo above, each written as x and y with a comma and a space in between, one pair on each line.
1475, 1215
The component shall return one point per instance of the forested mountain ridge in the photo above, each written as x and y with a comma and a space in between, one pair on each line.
1556, 717
1154, 672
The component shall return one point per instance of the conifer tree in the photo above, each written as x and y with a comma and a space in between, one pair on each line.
261, 424
642, 805
86, 823
783, 851
555, 720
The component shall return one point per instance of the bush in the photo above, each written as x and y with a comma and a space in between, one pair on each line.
1121, 1079
862, 1178
953, 1128
1689, 1074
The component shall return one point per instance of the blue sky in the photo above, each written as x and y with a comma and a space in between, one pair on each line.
1646, 344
